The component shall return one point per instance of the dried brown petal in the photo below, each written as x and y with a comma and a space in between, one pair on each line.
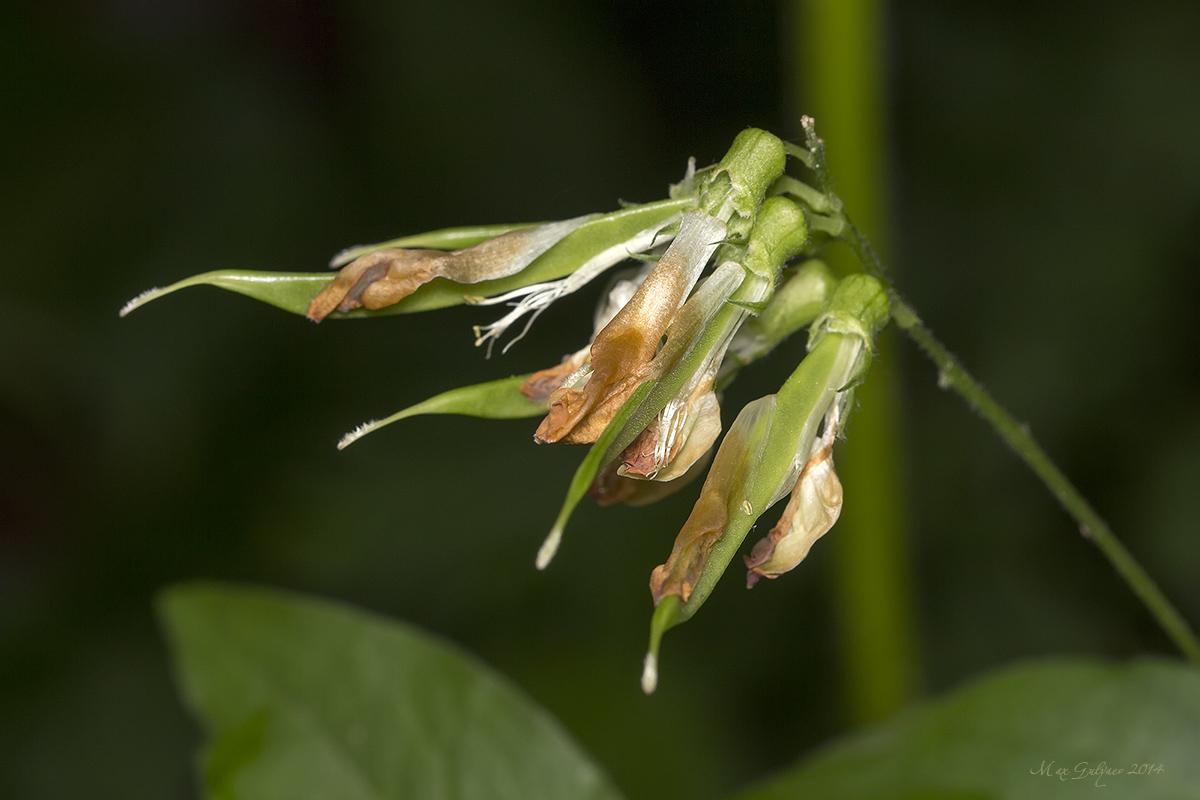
545, 382
352, 281
637, 460
706, 524
386, 277
622, 351
704, 527
811, 511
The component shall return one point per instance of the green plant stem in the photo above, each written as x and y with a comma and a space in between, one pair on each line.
838, 47
952, 375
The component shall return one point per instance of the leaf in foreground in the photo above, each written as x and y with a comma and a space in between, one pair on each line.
308, 699
1009, 735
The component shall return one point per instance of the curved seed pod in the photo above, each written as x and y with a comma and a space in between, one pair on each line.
702, 551
721, 496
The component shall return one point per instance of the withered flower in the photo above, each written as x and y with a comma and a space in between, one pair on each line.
667, 338
543, 383
623, 350
721, 495
384, 277
773, 449
812, 509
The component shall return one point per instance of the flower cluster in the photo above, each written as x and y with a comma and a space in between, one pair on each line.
726, 274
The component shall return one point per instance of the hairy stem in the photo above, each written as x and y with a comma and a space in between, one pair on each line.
952, 375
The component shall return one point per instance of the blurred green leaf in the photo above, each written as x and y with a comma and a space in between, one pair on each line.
309, 699
502, 399
1008, 735
293, 291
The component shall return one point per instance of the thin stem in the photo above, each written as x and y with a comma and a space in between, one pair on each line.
952, 375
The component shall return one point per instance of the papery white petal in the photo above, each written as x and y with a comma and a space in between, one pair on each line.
537, 297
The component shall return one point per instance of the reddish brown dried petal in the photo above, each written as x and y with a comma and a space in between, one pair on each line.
703, 529
638, 457
545, 382
355, 279
623, 350
610, 487
817, 486
385, 277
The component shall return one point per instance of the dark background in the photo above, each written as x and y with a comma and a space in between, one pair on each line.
1046, 185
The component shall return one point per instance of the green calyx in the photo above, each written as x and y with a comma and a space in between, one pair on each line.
858, 307
734, 189
780, 233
